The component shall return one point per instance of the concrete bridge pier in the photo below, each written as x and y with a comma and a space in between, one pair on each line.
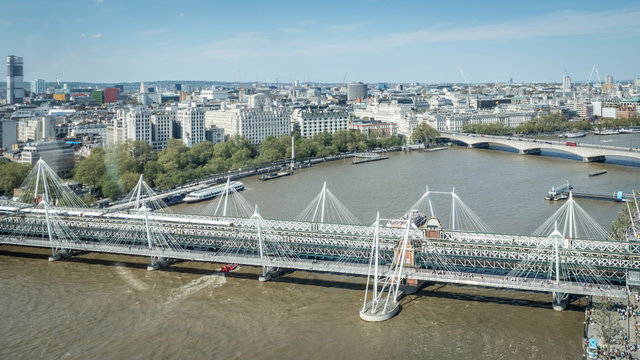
269, 274
157, 263
60, 254
599, 158
560, 301
535, 151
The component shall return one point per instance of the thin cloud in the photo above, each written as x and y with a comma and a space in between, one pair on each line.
5, 22
566, 23
97, 36
553, 25
99, 1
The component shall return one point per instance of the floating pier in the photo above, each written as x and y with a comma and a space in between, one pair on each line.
367, 157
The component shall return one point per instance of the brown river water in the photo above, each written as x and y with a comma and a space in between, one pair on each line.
110, 307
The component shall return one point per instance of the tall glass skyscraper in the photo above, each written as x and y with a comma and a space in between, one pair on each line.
15, 86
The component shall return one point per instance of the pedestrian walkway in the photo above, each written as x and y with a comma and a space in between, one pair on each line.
619, 320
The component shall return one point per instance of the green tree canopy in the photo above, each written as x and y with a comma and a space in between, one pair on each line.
423, 133
12, 175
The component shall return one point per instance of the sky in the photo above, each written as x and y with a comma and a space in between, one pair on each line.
322, 41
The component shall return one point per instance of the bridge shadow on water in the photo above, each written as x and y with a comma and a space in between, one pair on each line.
431, 290
519, 299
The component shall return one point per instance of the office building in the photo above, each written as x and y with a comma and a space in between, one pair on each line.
192, 121
312, 122
608, 80
110, 95
214, 134
566, 83
38, 86
15, 86
254, 120
356, 90
162, 128
98, 95
36, 128
57, 154
8, 133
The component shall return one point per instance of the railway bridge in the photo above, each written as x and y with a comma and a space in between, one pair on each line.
396, 254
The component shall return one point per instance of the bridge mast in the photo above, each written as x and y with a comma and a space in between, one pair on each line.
559, 299
35, 193
374, 253
324, 200
137, 206
453, 209
321, 203
256, 215
54, 255
226, 196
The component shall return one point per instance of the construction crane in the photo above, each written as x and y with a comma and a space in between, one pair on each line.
343, 80
468, 87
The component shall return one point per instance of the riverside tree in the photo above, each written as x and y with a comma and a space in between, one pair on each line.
425, 134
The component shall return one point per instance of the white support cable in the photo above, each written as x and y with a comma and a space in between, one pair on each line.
405, 241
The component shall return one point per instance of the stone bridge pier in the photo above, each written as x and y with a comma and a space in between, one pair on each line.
599, 158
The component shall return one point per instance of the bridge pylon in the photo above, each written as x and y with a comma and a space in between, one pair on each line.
559, 299
384, 300
49, 189
264, 276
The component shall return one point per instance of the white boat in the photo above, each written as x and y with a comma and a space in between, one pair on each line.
630, 130
574, 135
212, 192
607, 132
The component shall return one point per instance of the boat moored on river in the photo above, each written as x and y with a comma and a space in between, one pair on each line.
210, 193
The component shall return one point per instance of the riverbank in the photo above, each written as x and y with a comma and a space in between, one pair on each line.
612, 326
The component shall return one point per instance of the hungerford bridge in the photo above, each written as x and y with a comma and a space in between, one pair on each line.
588, 152
568, 254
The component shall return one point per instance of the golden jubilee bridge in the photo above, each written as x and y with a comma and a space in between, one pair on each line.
568, 254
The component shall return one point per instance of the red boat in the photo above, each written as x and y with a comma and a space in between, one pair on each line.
228, 268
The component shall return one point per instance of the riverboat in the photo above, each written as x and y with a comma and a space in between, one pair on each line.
599, 172
210, 193
571, 135
630, 130
275, 175
607, 132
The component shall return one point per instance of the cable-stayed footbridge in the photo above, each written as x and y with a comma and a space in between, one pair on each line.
568, 254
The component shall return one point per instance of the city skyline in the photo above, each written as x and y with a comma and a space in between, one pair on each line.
106, 41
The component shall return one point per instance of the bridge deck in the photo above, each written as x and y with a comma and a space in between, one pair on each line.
458, 278
585, 150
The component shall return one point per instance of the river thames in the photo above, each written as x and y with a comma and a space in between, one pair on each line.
110, 307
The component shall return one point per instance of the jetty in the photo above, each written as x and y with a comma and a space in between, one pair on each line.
367, 157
